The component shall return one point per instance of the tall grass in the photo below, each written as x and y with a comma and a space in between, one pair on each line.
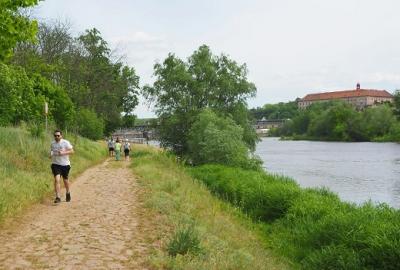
25, 175
311, 227
203, 231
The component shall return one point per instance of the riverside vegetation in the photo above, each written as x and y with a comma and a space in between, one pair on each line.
312, 227
335, 121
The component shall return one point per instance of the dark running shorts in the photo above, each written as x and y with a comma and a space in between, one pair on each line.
62, 170
126, 151
111, 149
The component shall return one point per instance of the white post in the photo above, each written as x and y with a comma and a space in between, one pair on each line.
46, 111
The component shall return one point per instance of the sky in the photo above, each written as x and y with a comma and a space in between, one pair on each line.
291, 47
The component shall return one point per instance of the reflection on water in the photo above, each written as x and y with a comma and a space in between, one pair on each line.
356, 171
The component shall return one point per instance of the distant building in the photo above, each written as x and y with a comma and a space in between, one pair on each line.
359, 98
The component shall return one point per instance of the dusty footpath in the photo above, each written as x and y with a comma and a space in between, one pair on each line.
98, 229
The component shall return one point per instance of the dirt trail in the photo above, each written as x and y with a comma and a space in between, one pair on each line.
98, 229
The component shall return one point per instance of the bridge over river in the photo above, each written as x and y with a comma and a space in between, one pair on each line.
136, 135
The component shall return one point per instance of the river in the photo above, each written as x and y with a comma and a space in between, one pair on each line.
357, 172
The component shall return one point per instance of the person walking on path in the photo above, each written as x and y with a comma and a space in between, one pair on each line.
111, 146
146, 136
127, 148
117, 149
60, 150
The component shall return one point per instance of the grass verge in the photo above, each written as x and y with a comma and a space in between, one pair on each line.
194, 229
25, 174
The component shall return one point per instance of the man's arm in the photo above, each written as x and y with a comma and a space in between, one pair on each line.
67, 152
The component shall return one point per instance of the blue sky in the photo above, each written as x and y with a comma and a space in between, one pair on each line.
291, 47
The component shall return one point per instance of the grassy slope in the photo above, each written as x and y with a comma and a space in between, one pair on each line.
25, 175
228, 240
312, 227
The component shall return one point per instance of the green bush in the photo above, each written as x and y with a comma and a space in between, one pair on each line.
89, 124
218, 140
183, 241
36, 130
264, 197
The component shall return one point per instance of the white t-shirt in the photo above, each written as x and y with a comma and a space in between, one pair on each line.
55, 148
127, 146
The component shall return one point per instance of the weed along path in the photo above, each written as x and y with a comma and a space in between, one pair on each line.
98, 229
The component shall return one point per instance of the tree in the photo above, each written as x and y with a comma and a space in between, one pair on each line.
14, 27
280, 110
378, 121
109, 89
397, 103
183, 89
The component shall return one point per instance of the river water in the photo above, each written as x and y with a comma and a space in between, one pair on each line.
357, 172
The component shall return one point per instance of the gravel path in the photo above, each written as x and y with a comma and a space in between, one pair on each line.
96, 230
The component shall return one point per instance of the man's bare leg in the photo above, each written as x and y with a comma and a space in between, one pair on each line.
66, 184
57, 187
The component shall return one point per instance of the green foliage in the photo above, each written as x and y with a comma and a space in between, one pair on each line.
339, 121
311, 227
214, 139
129, 121
89, 124
395, 132
184, 89
22, 98
184, 240
280, 110
264, 197
83, 72
97, 83
36, 130
15, 27
18, 100
61, 108
397, 103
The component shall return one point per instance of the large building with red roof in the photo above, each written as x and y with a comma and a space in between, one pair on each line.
359, 98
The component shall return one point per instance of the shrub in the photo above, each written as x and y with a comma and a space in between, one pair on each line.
36, 130
183, 241
89, 124
218, 140
264, 197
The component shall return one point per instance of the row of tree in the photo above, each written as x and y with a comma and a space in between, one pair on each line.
88, 88
339, 121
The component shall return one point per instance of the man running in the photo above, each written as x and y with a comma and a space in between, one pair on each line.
60, 164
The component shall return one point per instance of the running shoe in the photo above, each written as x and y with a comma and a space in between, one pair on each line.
68, 197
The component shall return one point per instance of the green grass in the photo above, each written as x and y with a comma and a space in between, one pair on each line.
25, 174
311, 227
201, 231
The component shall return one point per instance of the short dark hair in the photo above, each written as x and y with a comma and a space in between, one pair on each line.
57, 130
